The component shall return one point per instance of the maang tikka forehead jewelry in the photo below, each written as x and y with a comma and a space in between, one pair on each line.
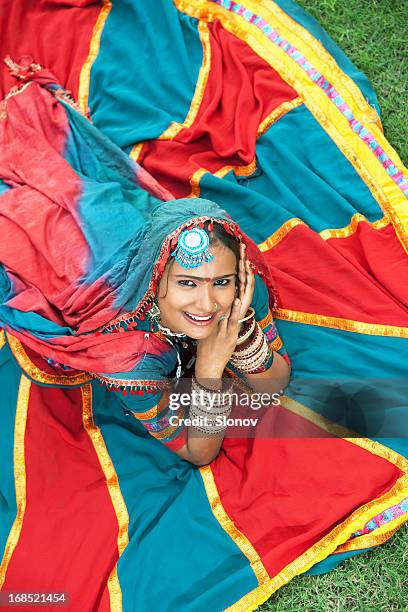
192, 248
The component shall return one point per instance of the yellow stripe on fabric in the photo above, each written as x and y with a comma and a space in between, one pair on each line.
342, 232
277, 113
227, 524
385, 191
135, 152
323, 548
250, 168
19, 473
317, 419
115, 493
94, 45
115, 592
174, 128
2, 339
38, 375
358, 327
195, 182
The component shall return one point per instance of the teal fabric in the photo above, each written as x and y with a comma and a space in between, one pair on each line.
165, 498
147, 68
332, 562
363, 386
10, 375
325, 193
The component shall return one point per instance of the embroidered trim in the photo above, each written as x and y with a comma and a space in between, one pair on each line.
382, 519
326, 234
114, 491
38, 375
94, 45
359, 327
133, 385
19, 473
369, 541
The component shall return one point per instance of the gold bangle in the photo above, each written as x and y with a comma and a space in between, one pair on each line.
248, 316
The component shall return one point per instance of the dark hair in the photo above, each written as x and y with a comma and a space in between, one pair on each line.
218, 235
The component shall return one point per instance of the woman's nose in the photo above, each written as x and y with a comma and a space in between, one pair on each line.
205, 299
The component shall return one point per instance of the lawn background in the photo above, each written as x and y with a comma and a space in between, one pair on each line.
373, 33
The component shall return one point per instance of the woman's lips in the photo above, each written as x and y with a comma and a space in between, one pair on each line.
202, 323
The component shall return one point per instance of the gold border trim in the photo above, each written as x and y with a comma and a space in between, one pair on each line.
277, 113
38, 375
376, 538
385, 191
2, 338
94, 46
115, 493
359, 327
342, 232
228, 525
174, 128
323, 548
250, 168
20, 476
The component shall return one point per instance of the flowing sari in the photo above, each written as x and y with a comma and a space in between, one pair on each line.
251, 106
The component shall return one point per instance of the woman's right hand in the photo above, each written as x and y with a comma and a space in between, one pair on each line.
214, 352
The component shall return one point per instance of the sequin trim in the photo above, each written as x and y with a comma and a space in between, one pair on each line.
38, 375
19, 473
94, 45
359, 327
114, 491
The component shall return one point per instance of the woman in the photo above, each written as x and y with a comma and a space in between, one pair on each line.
98, 508
198, 306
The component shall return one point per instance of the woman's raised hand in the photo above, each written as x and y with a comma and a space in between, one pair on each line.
246, 282
214, 352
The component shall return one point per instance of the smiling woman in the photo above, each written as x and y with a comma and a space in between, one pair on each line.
116, 297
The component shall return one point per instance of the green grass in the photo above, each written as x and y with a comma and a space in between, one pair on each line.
373, 34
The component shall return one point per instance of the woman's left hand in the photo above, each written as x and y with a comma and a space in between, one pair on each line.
246, 282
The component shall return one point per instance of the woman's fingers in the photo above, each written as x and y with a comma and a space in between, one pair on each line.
233, 319
242, 272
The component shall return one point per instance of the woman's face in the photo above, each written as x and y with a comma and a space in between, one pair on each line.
195, 298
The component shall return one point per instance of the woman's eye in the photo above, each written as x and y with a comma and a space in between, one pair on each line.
222, 282
186, 283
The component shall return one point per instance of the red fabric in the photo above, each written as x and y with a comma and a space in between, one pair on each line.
241, 90
285, 494
66, 487
54, 37
366, 285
